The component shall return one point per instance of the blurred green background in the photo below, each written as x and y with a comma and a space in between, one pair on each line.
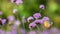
29, 7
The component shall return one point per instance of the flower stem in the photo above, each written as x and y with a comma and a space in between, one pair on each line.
38, 30
23, 26
18, 30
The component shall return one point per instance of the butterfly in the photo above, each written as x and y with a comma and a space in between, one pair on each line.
47, 24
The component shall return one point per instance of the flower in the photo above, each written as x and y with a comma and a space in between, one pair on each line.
47, 22
23, 31
32, 32
37, 15
19, 2
32, 25
2, 31
14, 27
14, 11
14, 31
42, 6
45, 32
11, 18
3, 21
17, 23
51, 31
45, 19
39, 22
8, 32
12, 1
30, 18
1, 13
54, 30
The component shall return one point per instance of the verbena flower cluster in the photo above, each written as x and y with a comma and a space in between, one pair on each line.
17, 1
36, 19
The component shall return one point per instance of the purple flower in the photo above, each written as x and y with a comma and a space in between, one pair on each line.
17, 22
12, 1
45, 19
39, 22
54, 31
30, 18
32, 25
14, 27
14, 11
45, 32
23, 31
1, 13
51, 31
3, 21
32, 32
19, 2
42, 7
14, 31
8, 32
11, 18
11, 32
2, 31
37, 15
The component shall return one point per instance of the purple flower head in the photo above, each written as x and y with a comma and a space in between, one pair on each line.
14, 11
19, 2
14, 31
11, 32
32, 25
23, 31
11, 18
1, 13
2, 31
30, 18
42, 7
45, 19
8, 32
32, 32
17, 22
12, 1
39, 22
51, 31
37, 15
14, 27
54, 31
3, 21
45, 32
